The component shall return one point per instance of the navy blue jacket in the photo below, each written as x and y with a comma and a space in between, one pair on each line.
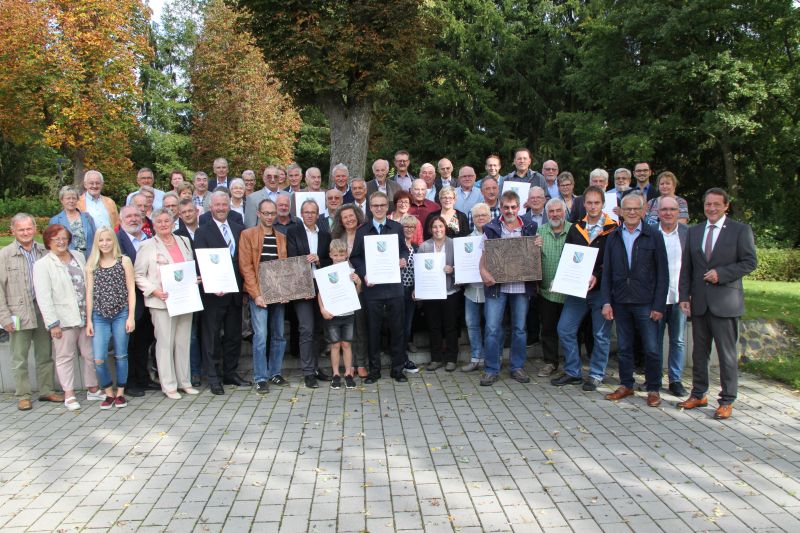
493, 230
646, 281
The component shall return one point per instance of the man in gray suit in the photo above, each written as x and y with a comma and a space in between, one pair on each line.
717, 255
270, 191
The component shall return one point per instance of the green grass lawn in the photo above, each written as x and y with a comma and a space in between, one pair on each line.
773, 300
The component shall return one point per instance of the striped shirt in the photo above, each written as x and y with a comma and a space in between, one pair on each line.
269, 250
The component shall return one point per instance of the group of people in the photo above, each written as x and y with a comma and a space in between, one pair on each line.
98, 277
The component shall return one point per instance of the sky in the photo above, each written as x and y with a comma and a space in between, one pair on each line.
156, 6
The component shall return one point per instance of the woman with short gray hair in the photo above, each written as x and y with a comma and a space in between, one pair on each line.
80, 225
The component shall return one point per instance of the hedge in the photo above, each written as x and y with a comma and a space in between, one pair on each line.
777, 265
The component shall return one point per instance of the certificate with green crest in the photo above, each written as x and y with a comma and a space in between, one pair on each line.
337, 290
382, 254
179, 281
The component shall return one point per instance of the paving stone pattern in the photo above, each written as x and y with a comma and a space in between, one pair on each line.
439, 453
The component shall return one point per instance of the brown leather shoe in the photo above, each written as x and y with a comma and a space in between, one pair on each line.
653, 399
24, 404
52, 397
723, 412
621, 392
692, 402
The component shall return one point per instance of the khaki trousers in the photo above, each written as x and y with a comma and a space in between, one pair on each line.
173, 337
72, 342
42, 354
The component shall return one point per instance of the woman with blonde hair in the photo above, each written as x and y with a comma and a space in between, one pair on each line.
110, 310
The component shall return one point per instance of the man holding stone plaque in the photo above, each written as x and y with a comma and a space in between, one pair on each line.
516, 294
257, 245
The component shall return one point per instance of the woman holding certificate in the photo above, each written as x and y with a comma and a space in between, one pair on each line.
442, 315
172, 333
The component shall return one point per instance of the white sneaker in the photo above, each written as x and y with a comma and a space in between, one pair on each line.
72, 404
99, 395
191, 390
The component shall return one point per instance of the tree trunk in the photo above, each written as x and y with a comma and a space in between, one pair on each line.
79, 166
350, 122
730, 168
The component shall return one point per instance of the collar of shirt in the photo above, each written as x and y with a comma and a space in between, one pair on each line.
222, 183
310, 230
219, 225
376, 223
509, 230
673, 232
718, 224
637, 229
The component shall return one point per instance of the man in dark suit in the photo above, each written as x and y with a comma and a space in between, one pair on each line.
634, 294
221, 173
130, 237
221, 309
233, 216
380, 297
717, 255
310, 241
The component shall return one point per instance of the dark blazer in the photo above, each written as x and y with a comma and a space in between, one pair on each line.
359, 262
212, 183
733, 257
183, 232
578, 210
208, 235
232, 216
127, 248
646, 280
437, 184
297, 243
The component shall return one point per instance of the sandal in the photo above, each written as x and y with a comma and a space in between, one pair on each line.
71, 403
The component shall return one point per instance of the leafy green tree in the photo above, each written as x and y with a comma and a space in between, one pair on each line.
341, 56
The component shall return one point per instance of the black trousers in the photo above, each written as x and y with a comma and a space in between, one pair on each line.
549, 313
310, 324
394, 308
139, 343
221, 340
443, 316
533, 321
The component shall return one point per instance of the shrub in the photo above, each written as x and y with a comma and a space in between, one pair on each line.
40, 206
777, 265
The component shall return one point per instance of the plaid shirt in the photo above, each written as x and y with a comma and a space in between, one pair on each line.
552, 246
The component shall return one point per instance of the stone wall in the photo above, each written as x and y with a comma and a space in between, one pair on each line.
765, 339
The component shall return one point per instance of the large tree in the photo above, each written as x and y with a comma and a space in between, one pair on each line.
68, 77
340, 56
238, 111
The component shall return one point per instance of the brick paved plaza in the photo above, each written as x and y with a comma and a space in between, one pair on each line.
439, 453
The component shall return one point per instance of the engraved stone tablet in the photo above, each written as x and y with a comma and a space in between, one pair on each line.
513, 259
284, 280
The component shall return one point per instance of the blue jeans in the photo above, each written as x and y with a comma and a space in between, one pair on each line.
675, 320
572, 315
267, 366
472, 314
494, 309
195, 355
104, 329
630, 318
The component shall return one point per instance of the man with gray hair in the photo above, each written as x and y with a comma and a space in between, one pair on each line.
551, 236
146, 178
313, 179
427, 173
340, 177
550, 173
102, 208
467, 195
380, 181
598, 178
220, 168
20, 316
294, 176
269, 191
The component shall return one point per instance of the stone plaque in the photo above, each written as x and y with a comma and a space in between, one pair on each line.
284, 280
513, 259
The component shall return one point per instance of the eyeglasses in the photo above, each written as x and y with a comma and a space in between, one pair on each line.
380, 206
60, 239
268, 213
631, 208
509, 207
669, 209
641, 170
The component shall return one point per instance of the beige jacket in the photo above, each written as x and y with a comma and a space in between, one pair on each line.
15, 298
151, 256
55, 294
